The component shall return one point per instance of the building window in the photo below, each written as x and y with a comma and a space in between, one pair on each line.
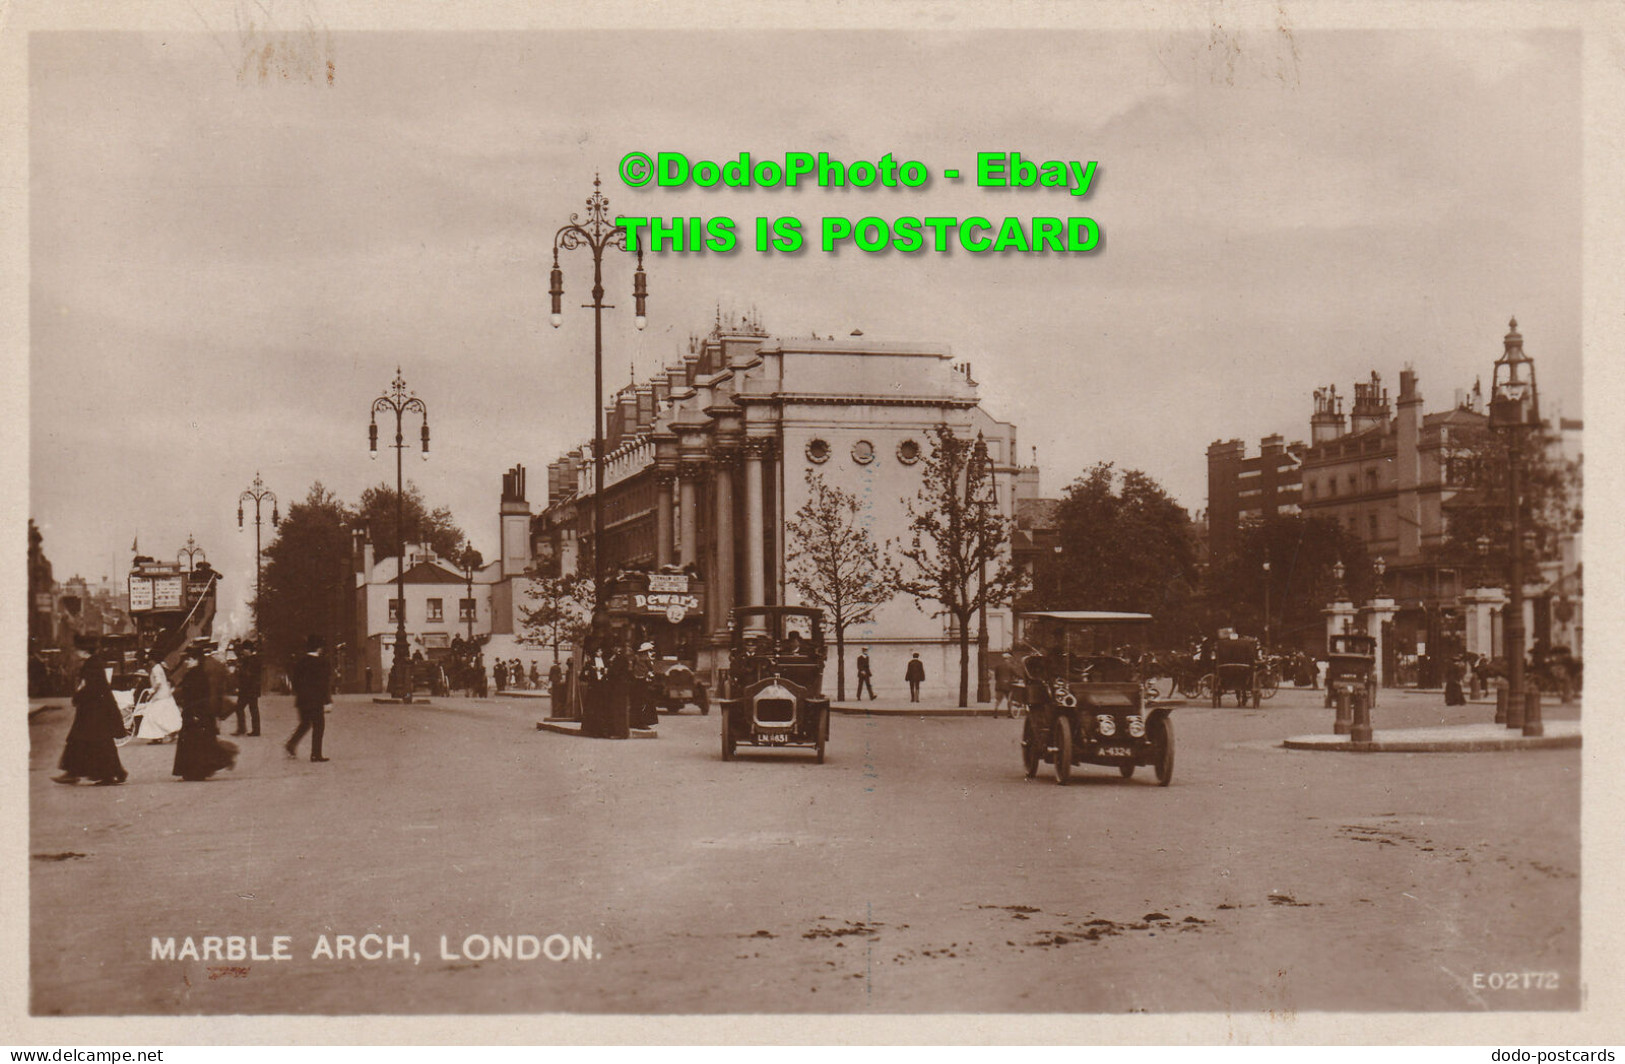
1370, 480
1371, 523
863, 452
1354, 485
908, 452
1331, 486
437, 609
394, 610
465, 609
818, 451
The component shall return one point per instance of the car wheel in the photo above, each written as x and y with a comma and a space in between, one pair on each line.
1162, 730
823, 735
1218, 696
1063, 749
727, 738
704, 701
1126, 770
1032, 753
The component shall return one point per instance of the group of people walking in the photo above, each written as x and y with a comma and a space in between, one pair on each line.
913, 675
185, 706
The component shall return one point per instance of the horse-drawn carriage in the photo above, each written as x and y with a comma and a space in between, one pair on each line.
1237, 670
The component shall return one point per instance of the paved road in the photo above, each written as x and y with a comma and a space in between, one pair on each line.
916, 871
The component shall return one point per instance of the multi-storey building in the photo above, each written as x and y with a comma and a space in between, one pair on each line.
1241, 490
706, 464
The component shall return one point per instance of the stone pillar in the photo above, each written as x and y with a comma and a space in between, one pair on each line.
723, 463
1379, 612
663, 518
687, 529
756, 450
1339, 617
1479, 605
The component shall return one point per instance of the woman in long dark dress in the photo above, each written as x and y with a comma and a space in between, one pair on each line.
91, 752
200, 752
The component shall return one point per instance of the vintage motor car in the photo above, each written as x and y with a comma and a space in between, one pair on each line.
1351, 666
1085, 703
776, 680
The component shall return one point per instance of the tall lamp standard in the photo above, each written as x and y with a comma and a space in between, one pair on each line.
399, 401
192, 552
258, 492
1266, 603
595, 234
470, 561
1514, 411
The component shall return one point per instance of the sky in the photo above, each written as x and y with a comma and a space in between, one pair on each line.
230, 254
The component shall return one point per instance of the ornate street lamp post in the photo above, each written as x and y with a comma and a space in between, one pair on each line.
1514, 411
192, 552
470, 561
258, 492
595, 234
1379, 568
1266, 604
399, 401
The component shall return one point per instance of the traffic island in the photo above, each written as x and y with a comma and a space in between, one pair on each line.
573, 727
905, 708
1445, 739
383, 701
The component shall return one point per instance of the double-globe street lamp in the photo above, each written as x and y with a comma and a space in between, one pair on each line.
399, 401
1514, 412
192, 552
258, 492
596, 233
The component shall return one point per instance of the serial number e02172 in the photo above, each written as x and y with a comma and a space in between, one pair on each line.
1524, 980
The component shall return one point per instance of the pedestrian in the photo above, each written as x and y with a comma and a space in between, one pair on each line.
865, 676
91, 751
535, 675
915, 675
201, 692
482, 686
500, 672
1455, 672
312, 694
248, 688
1004, 681
160, 714
555, 688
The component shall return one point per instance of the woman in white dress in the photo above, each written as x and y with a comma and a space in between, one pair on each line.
160, 713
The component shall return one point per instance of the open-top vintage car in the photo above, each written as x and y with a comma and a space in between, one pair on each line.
776, 680
1351, 665
1085, 703
1237, 670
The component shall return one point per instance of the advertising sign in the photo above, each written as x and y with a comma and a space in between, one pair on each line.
670, 583
168, 592
140, 593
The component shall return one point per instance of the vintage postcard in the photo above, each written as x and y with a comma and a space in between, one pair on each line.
790, 523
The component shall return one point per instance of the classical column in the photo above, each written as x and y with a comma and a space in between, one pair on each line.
687, 527
756, 450
722, 481
663, 507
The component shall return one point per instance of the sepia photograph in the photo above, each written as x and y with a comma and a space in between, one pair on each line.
735, 516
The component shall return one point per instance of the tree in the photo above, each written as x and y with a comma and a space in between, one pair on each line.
1125, 545
958, 539
1477, 462
836, 564
562, 610
436, 528
306, 576
1301, 552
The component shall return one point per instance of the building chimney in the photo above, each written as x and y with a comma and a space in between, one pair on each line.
1370, 405
1327, 422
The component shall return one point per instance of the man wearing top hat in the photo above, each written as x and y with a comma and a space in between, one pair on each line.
311, 695
248, 687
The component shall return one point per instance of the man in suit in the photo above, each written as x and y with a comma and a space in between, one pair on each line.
915, 675
248, 688
865, 675
311, 696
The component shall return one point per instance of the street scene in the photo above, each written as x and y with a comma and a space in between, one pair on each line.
570, 546
917, 870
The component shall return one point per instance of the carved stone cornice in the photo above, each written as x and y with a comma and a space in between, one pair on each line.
760, 448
